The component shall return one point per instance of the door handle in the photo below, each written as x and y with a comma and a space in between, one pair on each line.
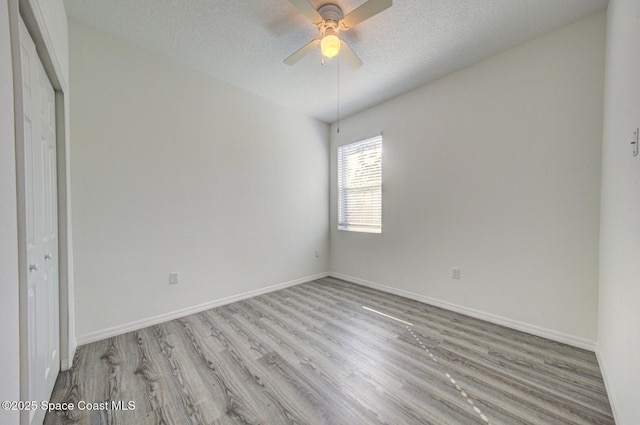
33, 267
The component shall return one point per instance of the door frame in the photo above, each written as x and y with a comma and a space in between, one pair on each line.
35, 22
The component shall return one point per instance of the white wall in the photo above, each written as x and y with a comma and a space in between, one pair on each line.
619, 324
494, 169
175, 171
9, 321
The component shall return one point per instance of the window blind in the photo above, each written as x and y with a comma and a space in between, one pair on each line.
360, 186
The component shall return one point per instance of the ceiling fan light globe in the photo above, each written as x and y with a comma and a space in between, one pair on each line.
330, 46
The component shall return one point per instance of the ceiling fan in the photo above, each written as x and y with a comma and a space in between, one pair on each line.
330, 21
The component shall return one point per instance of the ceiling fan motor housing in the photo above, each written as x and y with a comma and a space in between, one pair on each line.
332, 14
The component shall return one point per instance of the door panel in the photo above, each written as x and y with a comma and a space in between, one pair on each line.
50, 230
43, 360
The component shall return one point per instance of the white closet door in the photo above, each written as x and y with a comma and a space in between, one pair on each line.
42, 226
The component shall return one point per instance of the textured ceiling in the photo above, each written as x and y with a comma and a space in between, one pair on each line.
244, 42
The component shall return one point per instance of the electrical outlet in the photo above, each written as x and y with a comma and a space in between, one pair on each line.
455, 273
174, 277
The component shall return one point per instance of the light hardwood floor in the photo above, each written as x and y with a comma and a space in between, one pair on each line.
311, 354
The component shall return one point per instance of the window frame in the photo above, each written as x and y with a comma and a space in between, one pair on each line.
367, 216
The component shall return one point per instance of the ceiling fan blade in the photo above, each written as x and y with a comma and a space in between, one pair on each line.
363, 12
308, 11
349, 56
302, 52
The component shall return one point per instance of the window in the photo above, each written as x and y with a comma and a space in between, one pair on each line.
360, 186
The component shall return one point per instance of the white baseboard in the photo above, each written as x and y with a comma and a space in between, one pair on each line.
492, 318
176, 314
66, 363
72, 352
608, 386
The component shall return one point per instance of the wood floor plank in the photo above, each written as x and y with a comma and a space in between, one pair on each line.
543, 374
311, 354
374, 361
166, 404
314, 360
230, 398
237, 365
321, 349
540, 376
